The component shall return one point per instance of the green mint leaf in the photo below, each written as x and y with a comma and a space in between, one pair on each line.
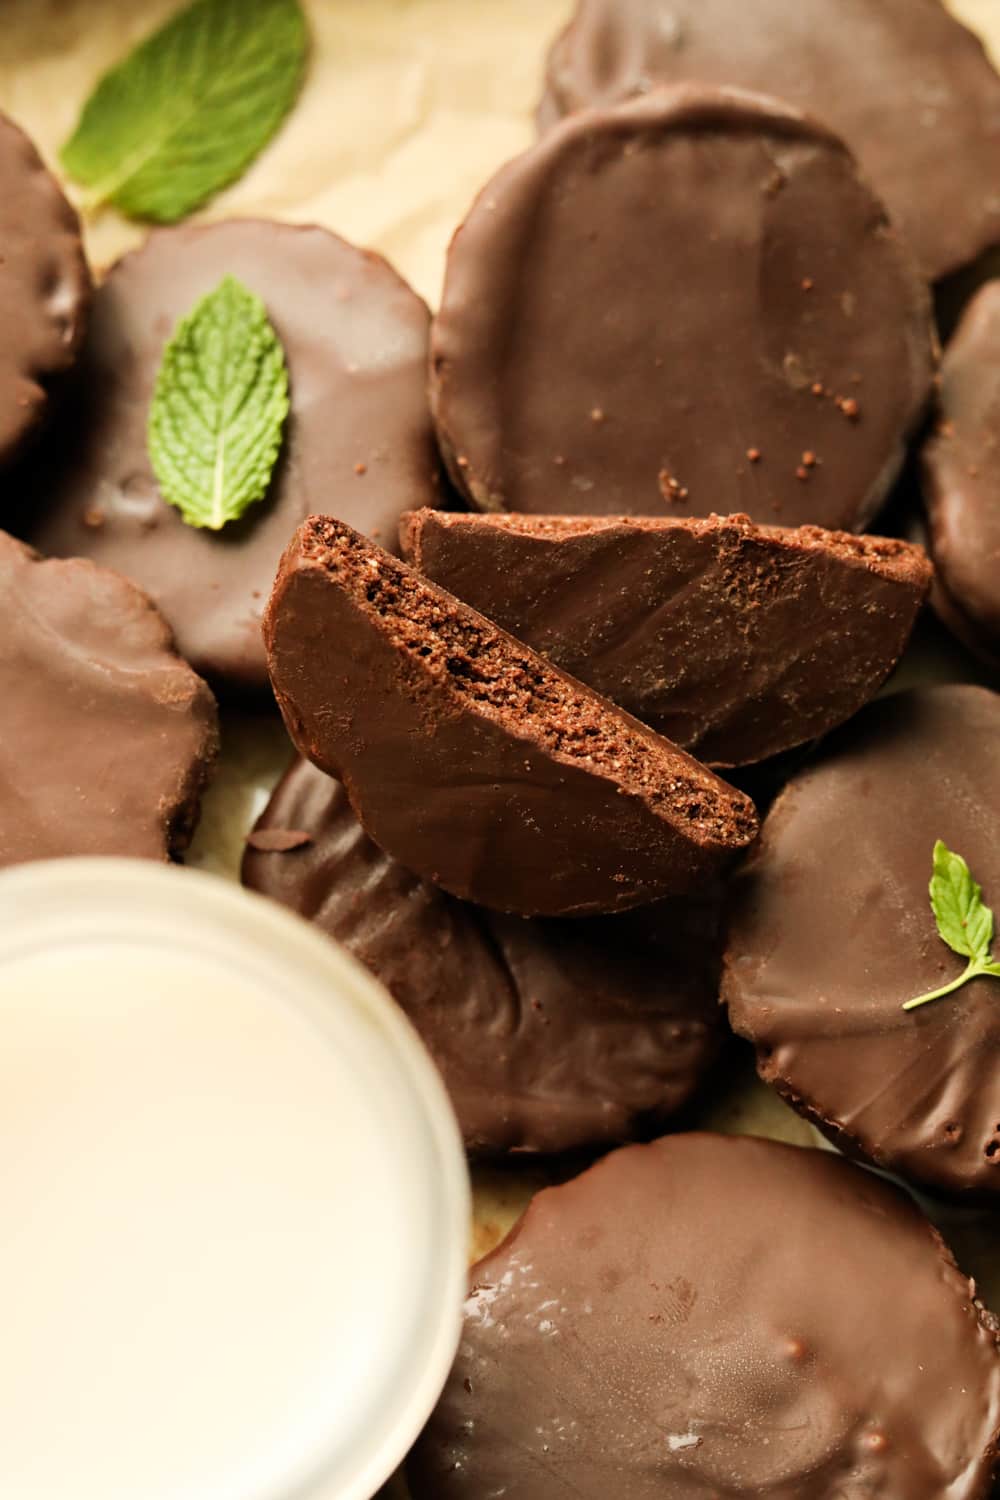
187, 111
963, 922
219, 407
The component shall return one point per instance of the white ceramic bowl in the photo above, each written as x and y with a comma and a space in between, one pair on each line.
234, 1199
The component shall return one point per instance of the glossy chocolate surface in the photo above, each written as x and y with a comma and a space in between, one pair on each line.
833, 931
718, 1316
736, 641
358, 440
107, 736
689, 304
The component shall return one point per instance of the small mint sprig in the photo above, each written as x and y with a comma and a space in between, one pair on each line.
964, 922
219, 406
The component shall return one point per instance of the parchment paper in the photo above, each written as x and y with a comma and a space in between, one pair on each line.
408, 108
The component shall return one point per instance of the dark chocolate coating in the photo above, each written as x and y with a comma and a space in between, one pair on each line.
909, 88
961, 476
735, 641
106, 736
44, 287
717, 1316
833, 931
358, 440
549, 1034
689, 304
473, 761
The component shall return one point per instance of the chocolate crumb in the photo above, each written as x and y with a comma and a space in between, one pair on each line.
278, 840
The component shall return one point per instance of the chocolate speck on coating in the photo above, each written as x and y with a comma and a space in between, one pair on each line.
471, 759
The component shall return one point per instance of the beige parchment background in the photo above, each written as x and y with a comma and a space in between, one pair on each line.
408, 108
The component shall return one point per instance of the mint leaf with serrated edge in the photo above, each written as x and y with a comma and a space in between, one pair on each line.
219, 406
187, 111
964, 921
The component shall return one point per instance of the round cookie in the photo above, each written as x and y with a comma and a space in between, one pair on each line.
962, 480
550, 1035
832, 932
108, 736
44, 287
358, 440
689, 304
908, 87
718, 1316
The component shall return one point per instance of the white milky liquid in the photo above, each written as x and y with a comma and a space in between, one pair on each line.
205, 1207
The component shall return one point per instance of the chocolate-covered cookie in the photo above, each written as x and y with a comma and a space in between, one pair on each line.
735, 641
961, 478
908, 87
833, 932
472, 760
358, 438
44, 287
718, 1316
549, 1034
689, 304
106, 735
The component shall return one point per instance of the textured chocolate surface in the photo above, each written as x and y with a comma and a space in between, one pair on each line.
690, 304
106, 736
44, 287
735, 641
358, 440
911, 91
717, 1316
833, 931
549, 1034
961, 476
472, 760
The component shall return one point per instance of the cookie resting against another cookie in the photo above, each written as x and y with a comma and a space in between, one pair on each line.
735, 641
833, 932
357, 440
107, 737
692, 303
718, 1316
961, 476
472, 760
910, 89
550, 1034
44, 292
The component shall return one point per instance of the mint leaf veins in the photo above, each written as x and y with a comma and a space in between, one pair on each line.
219, 406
